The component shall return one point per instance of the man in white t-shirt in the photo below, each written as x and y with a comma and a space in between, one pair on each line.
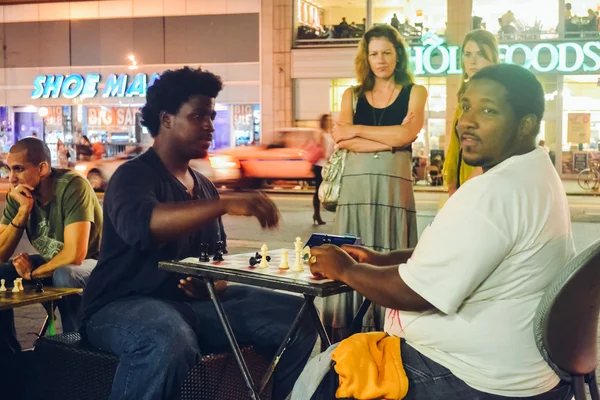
468, 292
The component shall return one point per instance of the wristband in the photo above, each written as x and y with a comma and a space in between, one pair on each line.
17, 226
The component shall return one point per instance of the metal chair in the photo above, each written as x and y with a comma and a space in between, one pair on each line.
566, 322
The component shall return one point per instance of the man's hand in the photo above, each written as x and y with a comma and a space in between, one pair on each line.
365, 256
329, 261
342, 131
22, 194
23, 265
255, 205
196, 288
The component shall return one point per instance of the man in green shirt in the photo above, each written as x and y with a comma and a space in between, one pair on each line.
62, 217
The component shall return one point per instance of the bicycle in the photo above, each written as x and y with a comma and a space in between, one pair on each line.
589, 178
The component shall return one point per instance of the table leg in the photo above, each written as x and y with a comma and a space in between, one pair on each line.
357, 320
306, 305
325, 341
210, 284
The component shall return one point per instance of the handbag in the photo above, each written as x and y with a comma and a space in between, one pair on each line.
332, 172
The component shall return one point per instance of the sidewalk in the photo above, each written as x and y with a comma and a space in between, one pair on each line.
571, 189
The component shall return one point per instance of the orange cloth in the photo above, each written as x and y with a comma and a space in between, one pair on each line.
370, 367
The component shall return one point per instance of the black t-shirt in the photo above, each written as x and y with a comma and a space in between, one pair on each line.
129, 255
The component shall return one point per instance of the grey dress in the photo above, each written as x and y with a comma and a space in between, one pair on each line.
377, 204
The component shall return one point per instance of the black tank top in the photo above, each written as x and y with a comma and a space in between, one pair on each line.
394, 114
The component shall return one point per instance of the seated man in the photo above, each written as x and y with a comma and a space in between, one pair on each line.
463, 301
159, 209
62, 217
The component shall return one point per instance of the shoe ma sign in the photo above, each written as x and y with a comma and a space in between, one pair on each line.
569, 57
75, 85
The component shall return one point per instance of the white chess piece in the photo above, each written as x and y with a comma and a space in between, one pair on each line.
2, 287
306, 253
21, 288
298, 265
15, 285
263, 259
284, 260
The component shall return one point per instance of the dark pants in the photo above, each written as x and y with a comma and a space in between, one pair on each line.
428, 380
159, 342
316, 169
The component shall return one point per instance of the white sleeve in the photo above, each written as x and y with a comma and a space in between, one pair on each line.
455, 254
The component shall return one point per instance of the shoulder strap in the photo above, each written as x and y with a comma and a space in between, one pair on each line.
354, 98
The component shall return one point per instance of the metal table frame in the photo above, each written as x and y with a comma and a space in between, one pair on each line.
209, 273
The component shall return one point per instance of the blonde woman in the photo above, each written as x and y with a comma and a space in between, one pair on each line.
376, 201
479, 50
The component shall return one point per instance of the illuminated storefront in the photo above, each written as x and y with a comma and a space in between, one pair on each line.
568, 70
106, 109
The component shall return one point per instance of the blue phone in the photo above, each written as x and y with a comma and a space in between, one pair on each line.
318, 239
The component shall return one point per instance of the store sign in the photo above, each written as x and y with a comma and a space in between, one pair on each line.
539, 58
111, 116
75, 85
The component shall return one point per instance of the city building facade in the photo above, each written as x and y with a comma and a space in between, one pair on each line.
562, 50
83, 68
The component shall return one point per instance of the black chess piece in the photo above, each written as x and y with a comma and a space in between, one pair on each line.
219, 252
253, 261
39, 286
258, 257
204, 253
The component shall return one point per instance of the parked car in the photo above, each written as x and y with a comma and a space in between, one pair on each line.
220, 169
284, 159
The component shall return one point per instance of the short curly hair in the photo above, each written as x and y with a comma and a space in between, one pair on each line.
173, 89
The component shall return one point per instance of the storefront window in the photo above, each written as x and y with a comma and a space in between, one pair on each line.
338, 87
581, 19
581, 123
332, 22
549, 127
246, 126
418, 21
431, 138
517, 19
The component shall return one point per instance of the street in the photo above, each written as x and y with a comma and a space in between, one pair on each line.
246, 235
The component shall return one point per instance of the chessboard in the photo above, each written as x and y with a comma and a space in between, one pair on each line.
241, 263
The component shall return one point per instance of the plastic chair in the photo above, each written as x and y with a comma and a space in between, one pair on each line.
566, 322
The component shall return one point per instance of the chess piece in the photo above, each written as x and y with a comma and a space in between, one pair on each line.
204, 253
15, 286
2, 287
298, 265
264, 259
219, 252
256, 259
39, 286
21, 288
284, 260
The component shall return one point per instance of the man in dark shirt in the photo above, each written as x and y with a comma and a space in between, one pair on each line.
156, 208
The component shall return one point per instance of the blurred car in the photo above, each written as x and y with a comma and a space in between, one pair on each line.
284, 159
219, 169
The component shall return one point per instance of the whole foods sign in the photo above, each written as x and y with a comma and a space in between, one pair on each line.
568, 57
